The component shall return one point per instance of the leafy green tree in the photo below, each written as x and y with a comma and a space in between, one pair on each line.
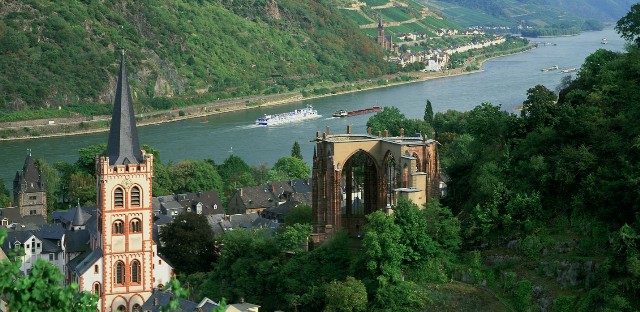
299, 214
294, 237
428, 113
538, 110
388, 119
87, 157
188, 243
5, 196
41, 289
82, 188
629, 25
194, 176
292, 168
235, 173
383, 251
51, 180
347, 296
295, 150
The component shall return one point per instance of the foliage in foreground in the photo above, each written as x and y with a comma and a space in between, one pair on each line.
41, 289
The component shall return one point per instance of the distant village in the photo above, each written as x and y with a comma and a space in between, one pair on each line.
434, 60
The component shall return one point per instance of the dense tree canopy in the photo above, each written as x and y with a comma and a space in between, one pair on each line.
188, 243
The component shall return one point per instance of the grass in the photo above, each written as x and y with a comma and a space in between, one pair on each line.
394, 14
356, 16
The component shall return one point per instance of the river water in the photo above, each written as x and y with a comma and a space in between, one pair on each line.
503, 81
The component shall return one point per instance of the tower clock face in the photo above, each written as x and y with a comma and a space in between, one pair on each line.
126, 182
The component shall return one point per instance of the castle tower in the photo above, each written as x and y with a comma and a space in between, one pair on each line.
125, 217
29, 192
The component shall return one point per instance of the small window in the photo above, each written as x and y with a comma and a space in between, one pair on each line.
96, 289
136, 308
118, 227
135, 272
135, 226
122, 309
119, 273
95, 269
135, 196
33, 197
56, 256
118, 197
50, 257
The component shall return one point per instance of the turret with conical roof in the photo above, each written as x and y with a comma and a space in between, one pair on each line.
123, 147
29, 192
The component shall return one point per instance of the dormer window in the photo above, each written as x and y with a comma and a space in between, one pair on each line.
118, 197
135, 196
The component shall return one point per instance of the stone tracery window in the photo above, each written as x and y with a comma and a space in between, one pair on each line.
119, 273
135, 272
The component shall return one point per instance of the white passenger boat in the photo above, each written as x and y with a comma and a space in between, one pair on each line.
296, 115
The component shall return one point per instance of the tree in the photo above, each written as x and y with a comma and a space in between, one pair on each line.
299, 214
87, 157
428, 113
293, 237
538, 110
194, 176
188, 243
41, 289
388, 119
5, 196
347, 296
292, 168
295, 150
629, 25
383, 252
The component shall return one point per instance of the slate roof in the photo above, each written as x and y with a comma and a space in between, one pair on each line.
51, 236
159, 299
29, 177
83, 262
15, 236
211, 202
279, 212
123, 147
76, 241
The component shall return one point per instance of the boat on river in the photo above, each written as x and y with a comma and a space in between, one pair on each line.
568, 70
604, 41
344, 113
340, 113
554, 67
283, 118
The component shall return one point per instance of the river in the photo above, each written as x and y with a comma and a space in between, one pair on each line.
503, 81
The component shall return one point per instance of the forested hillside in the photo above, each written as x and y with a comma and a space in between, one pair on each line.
59, 53
539, 17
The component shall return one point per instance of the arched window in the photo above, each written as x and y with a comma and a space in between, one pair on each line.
135, 272
135, 196
119, 273
118, 197
136, 308
96, 289
118, 227
122, 308
136, 226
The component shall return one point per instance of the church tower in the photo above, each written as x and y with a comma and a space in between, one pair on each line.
125, 217
381, 32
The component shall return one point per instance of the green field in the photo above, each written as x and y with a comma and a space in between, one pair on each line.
436, 23
467, 17
356, 16
394, 14
374, 3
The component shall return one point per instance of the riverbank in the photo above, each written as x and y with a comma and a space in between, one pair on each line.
35, 129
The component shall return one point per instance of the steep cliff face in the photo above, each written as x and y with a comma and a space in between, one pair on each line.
57, 53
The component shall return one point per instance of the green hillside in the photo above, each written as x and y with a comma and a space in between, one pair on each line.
539, 17
60, 53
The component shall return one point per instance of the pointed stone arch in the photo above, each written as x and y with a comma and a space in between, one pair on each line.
392, 171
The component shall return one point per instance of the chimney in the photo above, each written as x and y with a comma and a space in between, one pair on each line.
379, 133
317, 134
240, 192
386, 133
401, 132
348, 129
328, 133
155, 302
369, 131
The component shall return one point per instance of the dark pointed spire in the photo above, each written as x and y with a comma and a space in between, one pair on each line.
78, 217
380, 27
123, 147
